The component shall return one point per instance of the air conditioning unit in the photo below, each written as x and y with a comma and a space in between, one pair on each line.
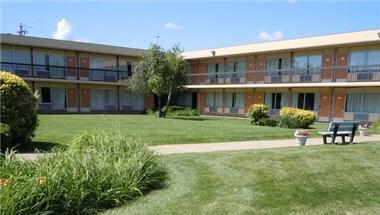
43, 74
364, 76
305, 78
110, 78
235, 80
361, 117
213, 80
276, 79
234, 110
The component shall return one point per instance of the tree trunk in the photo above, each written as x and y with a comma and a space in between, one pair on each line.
167, 103
160, 113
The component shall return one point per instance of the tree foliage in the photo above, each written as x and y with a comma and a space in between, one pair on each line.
160, 72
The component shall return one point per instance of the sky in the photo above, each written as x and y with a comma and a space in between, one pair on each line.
193, 24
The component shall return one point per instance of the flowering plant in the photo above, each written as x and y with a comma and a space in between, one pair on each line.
304, 133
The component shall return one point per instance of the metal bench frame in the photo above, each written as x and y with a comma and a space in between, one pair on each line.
334, 131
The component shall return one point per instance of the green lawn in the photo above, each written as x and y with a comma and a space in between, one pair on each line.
61, 129
303, 180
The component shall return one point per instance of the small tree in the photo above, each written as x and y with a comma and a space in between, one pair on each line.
160, 72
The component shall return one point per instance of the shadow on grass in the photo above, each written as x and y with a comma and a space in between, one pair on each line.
192, 118
40, 146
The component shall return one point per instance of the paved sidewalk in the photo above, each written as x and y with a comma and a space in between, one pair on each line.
243, 145
228, 146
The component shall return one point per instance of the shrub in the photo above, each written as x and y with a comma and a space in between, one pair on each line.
4, 131
150, 112
18, 108
296, 118
175, 111
268, 122
375, 127
98, 170
257, 113
184, 112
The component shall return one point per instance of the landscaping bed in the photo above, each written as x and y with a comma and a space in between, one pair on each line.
99, 170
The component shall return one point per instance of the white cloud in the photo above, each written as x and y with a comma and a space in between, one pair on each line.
292, 1
170, 25
268, 36
63, 30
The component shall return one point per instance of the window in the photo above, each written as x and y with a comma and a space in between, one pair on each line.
210, 100
363, 102
315, 61
275, 65
110, 97
357, 58
97, 99
306, 101
300, 62
360, 58
46, 95
237, 68
309, 62
240, 100
276, 101
59, 98
6, 55
373, 57
218, 99
273, 100
214, 70
214, 100
125, 68
234, 100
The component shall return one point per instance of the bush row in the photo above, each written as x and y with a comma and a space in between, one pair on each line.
289, 117
99, 170
176, 111
296, 118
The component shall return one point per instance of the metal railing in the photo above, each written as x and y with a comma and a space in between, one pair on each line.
292, 75
64, 72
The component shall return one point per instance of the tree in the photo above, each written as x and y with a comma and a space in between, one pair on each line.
160, 72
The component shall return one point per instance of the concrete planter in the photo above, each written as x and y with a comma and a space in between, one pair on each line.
301, 140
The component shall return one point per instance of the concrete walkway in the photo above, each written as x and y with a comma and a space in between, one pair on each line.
228, 146
243, 145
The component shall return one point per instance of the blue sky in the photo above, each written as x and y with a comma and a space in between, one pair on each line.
195, 25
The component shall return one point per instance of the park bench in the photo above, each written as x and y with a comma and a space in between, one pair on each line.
340, 129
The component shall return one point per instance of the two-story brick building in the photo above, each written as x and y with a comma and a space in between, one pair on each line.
337, 76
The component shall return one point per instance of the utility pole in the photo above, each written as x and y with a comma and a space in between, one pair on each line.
21, 31
157, 39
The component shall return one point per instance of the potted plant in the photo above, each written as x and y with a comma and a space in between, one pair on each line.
363, 129
301, 136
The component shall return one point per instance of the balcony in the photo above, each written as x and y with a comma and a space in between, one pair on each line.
364, 73
63, 72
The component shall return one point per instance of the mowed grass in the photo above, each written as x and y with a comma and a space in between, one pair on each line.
303, 180
61, 129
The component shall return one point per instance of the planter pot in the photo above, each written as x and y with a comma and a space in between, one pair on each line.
301, 140
363, 132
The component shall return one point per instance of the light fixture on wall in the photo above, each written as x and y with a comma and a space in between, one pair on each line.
378, 34
213, 53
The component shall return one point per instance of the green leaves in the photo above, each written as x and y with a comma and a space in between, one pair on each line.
160, 72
